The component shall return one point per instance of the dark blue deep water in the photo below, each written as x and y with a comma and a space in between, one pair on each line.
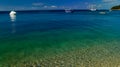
33, 21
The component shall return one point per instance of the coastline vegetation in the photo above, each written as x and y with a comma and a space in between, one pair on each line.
116, 7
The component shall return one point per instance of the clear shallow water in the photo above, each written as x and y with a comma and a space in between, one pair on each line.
44, 34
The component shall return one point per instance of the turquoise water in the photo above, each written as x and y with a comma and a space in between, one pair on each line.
47, 34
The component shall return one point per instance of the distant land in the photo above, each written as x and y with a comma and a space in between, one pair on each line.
116, 7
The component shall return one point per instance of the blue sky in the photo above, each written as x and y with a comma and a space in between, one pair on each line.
56, 4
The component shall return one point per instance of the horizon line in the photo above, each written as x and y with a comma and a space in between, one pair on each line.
52, 10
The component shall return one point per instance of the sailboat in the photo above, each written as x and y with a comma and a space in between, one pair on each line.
93, 8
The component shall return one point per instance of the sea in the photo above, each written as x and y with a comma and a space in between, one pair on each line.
41, 34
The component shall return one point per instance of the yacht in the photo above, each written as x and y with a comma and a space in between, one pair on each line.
12, 16
12, 13
93, 9
68, 10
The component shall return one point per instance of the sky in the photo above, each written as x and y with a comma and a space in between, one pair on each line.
56, 4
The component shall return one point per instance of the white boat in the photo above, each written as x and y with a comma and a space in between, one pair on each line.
12, 16
68, 10
93, 9
12, 13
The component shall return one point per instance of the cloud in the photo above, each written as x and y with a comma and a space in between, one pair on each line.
108, 1
45, 6
53, 6
42, 5
37, 4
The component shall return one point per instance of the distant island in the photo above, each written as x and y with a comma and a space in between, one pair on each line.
116, 7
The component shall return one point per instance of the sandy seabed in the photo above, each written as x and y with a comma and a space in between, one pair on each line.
92, 56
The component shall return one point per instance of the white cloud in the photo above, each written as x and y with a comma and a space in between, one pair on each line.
108, 1
53, 6
45, 6
37, 4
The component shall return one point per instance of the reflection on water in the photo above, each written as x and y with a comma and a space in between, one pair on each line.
13, 19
